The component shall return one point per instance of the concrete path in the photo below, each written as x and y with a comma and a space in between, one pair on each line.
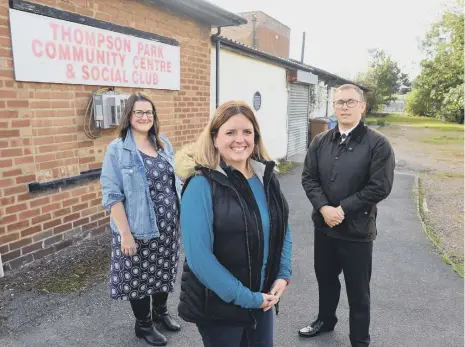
417, 300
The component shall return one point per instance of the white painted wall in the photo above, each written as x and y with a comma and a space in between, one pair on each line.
240, 78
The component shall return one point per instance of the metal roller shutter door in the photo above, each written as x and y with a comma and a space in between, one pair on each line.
298, 108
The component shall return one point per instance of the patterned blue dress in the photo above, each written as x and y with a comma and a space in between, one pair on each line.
154, 267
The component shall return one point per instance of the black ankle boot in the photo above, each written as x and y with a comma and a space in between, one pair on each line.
147, 331
160, 315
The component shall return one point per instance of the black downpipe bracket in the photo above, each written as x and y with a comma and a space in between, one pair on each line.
217, 67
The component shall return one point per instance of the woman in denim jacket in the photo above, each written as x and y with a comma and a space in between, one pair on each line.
142, 194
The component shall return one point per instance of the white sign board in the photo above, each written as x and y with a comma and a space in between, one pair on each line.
55, 51
306, 77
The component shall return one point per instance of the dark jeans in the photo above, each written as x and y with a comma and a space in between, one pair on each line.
353, 258
217, 335
141, 307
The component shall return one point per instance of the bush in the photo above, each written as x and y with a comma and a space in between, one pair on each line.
452, 106
416, 103
378, 114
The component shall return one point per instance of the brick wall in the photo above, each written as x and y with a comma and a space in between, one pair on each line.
273, 42
42, 137
271, 35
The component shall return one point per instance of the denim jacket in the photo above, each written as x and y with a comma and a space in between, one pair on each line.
123, 179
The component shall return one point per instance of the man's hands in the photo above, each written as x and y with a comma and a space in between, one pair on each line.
333, 215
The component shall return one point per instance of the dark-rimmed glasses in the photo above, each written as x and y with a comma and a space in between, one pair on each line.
350, 103
140, 113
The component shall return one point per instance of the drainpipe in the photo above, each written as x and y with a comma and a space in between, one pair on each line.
1, 267
303, 48
328, 91
217, 67
254, 31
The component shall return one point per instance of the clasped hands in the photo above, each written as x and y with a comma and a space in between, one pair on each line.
333, 215
272, 298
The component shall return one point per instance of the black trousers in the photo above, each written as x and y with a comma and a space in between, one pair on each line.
141, 307
353, 258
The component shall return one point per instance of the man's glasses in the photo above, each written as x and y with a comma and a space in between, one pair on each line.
140, 114
350, 103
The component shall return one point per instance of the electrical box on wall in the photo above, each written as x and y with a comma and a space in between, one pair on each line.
108, 109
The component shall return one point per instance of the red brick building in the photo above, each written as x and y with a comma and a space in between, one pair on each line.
261, 32
49, 190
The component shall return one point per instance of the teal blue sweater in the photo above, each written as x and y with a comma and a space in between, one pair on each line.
197, 235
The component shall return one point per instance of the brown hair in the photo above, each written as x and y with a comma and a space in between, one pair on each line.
205, 152
353, 87
125, 122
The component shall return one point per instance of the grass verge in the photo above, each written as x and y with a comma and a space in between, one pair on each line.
376, 121
444, 140
450, 260
423, 122
449, 175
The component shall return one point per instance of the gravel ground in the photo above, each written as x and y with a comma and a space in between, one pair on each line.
51, 282
438, 158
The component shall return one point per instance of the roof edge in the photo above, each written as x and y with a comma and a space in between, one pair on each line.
282, 61
234, 44
202, 11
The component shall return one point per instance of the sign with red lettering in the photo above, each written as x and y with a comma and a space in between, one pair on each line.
55, 51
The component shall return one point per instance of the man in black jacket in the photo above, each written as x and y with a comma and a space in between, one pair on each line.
348, 170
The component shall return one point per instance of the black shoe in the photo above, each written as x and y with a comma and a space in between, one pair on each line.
315, 328
160, 315
147, 331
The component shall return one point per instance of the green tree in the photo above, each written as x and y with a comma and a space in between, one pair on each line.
439, 86
415, 104
452, 105
384, 79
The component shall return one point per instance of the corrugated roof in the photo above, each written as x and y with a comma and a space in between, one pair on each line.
291, 63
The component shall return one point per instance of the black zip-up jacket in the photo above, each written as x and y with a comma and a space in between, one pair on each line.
238, 245
356, 175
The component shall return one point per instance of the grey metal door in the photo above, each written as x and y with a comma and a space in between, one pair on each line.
297, 119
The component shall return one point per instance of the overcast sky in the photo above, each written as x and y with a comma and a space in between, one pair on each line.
340, 32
